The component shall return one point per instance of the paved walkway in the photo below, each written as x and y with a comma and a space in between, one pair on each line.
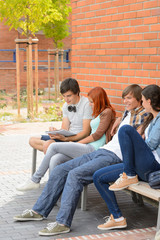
15, 166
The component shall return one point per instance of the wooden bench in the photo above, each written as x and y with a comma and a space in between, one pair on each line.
84, 192
143, 189
137, 191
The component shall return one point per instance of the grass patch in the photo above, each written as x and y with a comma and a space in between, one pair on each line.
5, 114
48, 109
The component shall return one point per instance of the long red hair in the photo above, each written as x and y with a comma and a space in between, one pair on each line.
100, 100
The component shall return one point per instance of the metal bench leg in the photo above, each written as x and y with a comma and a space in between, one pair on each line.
84, 198
158, 218
134, 197
137, 198
140, 200
34, 159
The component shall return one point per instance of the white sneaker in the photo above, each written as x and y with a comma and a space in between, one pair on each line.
29, 185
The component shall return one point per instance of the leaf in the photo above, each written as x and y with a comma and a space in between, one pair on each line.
33, 15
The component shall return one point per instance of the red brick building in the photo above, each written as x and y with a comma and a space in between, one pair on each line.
115, 43
8, 63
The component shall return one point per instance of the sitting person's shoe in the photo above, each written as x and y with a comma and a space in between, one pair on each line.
112, 224
157, 236
54, 229
28, 215
29, 185
123, 182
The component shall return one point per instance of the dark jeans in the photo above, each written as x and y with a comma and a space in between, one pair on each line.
137, 159
101, 179
137, 156
69, 178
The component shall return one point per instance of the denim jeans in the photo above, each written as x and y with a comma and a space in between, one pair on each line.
69, 179
101, 179
137, 159
137, 156
60, 152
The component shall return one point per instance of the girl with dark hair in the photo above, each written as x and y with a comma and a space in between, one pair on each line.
60, 152
140, 154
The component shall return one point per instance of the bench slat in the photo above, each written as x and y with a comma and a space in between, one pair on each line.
144, 189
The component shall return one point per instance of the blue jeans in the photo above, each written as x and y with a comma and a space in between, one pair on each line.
69, 179
137, 156
137, 159
58, 153
101, 179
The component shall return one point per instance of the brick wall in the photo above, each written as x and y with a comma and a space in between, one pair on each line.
115, 43
8, 70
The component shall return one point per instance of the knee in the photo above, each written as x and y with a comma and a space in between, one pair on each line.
126, 129
73, 176
46, 144
97, 178
53, 163
32, 142
102, 176
57, 171
75, 181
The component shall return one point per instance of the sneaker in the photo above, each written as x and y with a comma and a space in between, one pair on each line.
54, 229
28, 215
123, 182
157, 236
112, 224
29, 185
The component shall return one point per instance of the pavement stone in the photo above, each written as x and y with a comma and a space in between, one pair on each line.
15, 167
